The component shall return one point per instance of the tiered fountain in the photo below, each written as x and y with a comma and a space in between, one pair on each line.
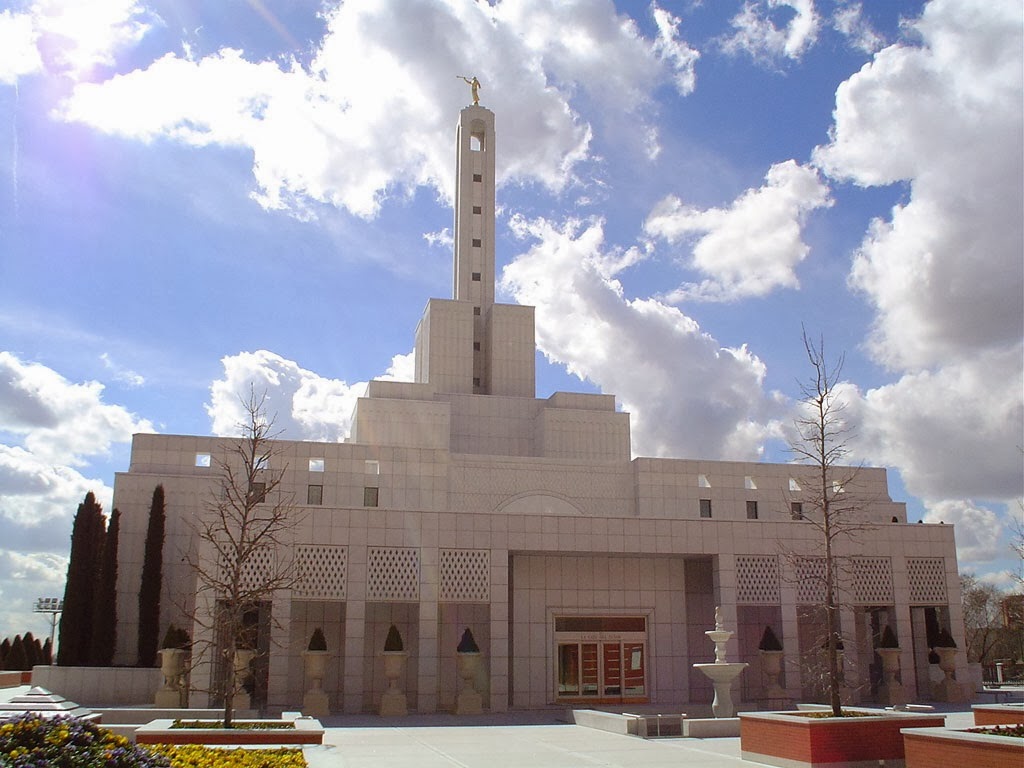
721, 672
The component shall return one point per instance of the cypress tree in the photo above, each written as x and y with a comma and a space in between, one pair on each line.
5, 649
17, 660
33, 651
104, 626
149, 590
48, 652
79, 591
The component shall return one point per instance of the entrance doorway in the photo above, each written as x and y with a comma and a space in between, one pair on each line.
601, 659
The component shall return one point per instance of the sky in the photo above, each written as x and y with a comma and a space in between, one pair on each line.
196, 195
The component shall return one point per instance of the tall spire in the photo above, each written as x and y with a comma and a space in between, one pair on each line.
473, 268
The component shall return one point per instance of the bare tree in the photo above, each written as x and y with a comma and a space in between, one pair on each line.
983, 624
244, 545
821, 442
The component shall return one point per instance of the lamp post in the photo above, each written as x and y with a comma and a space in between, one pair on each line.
52, 606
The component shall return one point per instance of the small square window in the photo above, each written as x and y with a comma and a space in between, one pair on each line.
476, 277
203, 459
749, 484
794, 485
316, 465
476, 311
477, 209
477, 242
751, 510
476, 346
261, 462
372, 467
796, 510
476, 381
702, 481
370, 496
478, 177
315, 495
705, 507
258, 493
837, 487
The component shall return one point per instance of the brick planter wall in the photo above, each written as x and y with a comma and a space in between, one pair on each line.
780, 738
998, 714
939, 748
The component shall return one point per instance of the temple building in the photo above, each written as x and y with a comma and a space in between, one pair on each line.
586, 575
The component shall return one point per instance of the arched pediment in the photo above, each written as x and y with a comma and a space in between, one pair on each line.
538, 504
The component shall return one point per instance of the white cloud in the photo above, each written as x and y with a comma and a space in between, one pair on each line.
849, 21
60, 422
67, 37
18, 52
753, 246
709, 398
954, 431
303, 404
370, 118
37, 492
944, 273
758, 35
980, 534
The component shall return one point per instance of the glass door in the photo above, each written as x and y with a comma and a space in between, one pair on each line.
601, 659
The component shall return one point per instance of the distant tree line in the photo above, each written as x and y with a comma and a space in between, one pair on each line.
23, 653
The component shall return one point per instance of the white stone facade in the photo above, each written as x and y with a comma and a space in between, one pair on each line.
586, 575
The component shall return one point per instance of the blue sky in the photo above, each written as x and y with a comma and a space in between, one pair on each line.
198, 195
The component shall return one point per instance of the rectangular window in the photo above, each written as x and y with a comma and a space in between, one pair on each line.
476, 346
702, 481
796, 510
476, 381
476, 277
751, 510
478, 177
705, 507
477, 242
749, 484
203, 459
261, 462
316, 465
258, 493
476, 311
372, 467
370, 496
315, 495
477, 209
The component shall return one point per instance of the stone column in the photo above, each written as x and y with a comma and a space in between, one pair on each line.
499, 660
792, 669
280, 650
725, 598
357, 668
428, 669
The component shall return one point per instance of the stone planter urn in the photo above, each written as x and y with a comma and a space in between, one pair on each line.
890, 691
947, 689
771, 666
243, 658
392, 703
172, 666
469, 701
315, 701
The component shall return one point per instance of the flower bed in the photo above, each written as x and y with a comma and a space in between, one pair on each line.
927, 747
792, 738
303, 731
30, 741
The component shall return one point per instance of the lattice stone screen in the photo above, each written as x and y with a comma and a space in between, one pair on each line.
258, 567
757, 580
810, 581
872, 581
392, 574
465, 576
322, 572
927, 577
